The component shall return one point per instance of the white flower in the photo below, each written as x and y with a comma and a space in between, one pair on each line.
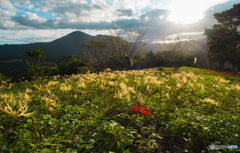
211, 101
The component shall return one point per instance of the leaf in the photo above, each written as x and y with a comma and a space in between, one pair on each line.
126, 151
49, 122
46, 150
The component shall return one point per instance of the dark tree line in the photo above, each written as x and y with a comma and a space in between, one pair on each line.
37, 67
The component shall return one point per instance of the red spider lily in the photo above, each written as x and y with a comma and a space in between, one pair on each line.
86, 115
135, 109
145, 112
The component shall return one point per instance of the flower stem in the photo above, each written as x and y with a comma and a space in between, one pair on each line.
120, 135
7, 134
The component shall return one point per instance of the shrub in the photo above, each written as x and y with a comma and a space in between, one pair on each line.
3, 78
82, 69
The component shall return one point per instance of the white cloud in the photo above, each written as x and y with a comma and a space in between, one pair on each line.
30, 6
6, 4
33, 16
6, 24
6, 13
33, 35
77, 14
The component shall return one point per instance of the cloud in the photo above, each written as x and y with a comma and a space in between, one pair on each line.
4, 24
33, 35
6, 4
33, 21
155, 15
6, 13
125, 12
31, 6
97, 15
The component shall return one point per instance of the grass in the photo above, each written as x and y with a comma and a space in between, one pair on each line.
190, 109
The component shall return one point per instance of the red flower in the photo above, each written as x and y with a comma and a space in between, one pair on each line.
145, 112
135, 109
86, 115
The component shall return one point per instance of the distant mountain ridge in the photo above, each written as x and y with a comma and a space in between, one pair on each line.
65, 46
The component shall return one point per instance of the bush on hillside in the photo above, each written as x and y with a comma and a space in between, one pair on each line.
3, 78
82, 69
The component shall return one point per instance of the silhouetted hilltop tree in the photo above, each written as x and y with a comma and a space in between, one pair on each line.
224, 38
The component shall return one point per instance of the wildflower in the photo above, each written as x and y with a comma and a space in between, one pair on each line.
22, 109
223, 80
101, 87
64, 87
145, 112
184, 79
125, 91
167, 94
52, 83
135, 109
227, 88
24, 98
236, 87
211, 101
118, 95
131, 89
201, 86
82, 85
179, 85
122, 86
86, 116
48, 103
107, 70
36, 86
111, 83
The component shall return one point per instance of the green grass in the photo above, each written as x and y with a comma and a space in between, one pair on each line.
190, 110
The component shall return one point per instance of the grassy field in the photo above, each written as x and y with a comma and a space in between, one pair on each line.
150, 110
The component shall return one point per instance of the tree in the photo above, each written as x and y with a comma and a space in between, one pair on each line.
126, 41
69, 65
50, 69
35, 68
223, 38
203, 57
97, 52
175, 51
230, 18
138, 60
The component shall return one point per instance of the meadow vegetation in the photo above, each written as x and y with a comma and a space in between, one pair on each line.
150, 110
121, 106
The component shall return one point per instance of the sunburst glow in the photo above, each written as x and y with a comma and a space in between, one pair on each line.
187, 11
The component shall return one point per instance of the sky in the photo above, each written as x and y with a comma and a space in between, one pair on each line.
29, 21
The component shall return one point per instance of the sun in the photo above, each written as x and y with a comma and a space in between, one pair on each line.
186, 11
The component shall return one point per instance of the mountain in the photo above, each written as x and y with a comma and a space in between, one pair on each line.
66, 45
12, 57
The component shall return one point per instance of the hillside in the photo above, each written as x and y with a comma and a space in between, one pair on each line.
14, 55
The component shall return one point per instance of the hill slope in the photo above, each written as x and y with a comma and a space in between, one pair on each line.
66, 45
